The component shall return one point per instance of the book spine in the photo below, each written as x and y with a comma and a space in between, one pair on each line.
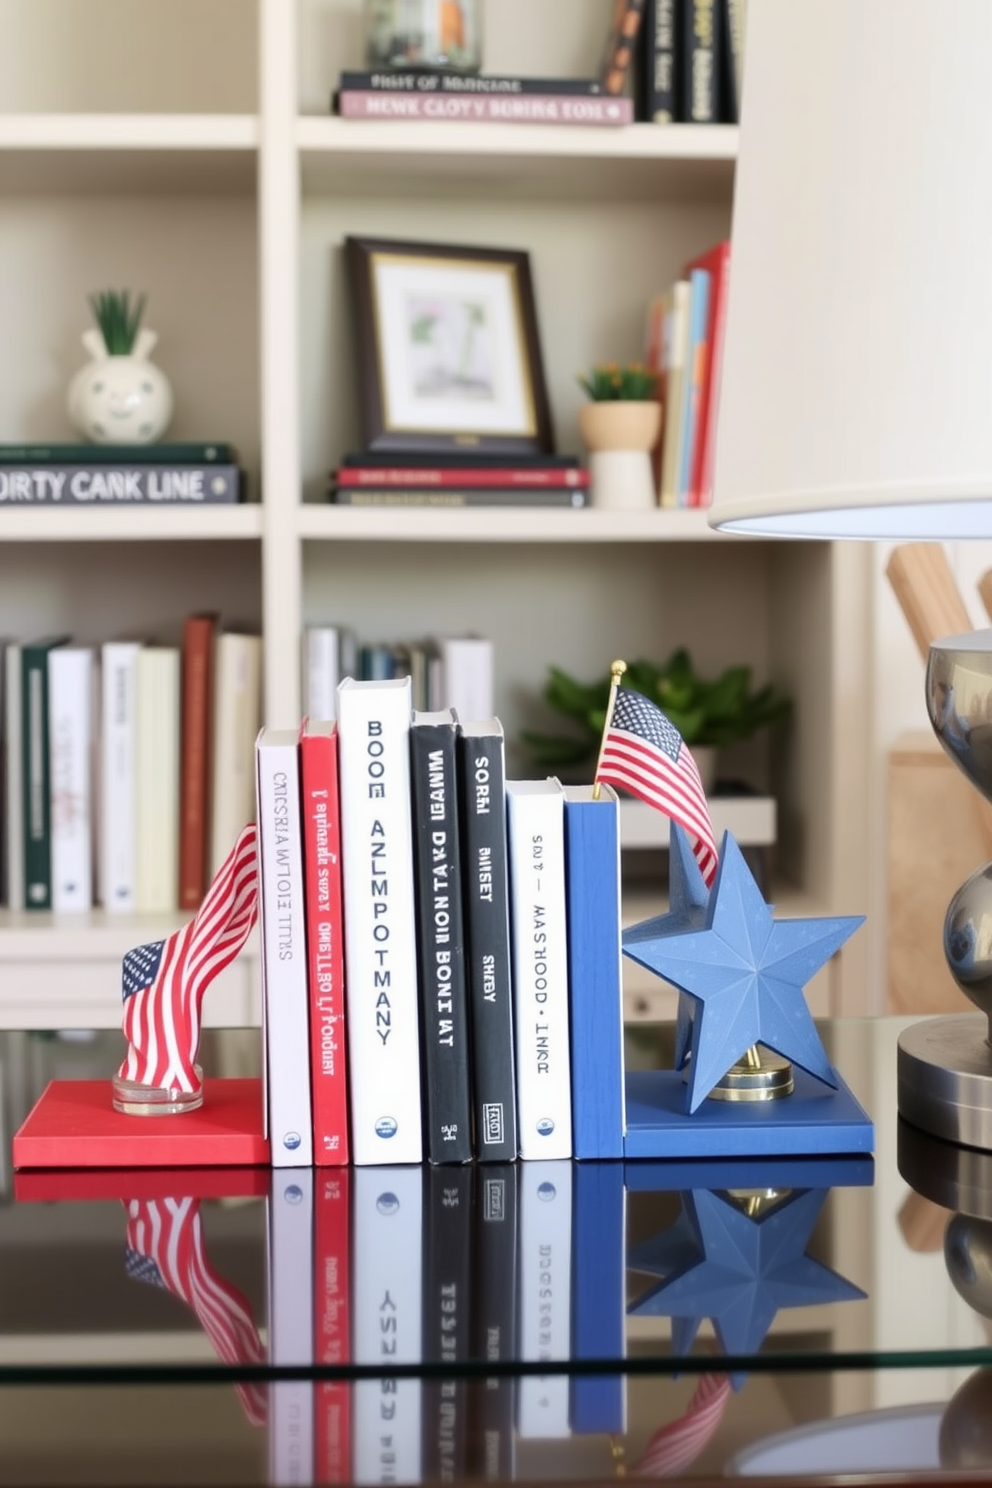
70, 733
494, 1338
621, 46
458, 83
325, 945
332, 1325
118, 762
468, 687
37, 844
13, 778
481, 774
529, 477
545, 1296
530, 108
440, 943
592, 844
599, 1269
660, 62
703, 482
448, 1293
388, 1322
701, 53
284, 962
695, 376
732, 22
676, 350
321, 671
460, 460
540, 973
111, 455
572, 497
291, 1328
120, 484
157, 780
236, 710
194, 757
380, 945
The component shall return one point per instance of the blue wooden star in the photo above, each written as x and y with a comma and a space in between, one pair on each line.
743, 1272
746, 972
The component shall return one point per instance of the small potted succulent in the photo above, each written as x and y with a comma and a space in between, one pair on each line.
620, 425
120, 396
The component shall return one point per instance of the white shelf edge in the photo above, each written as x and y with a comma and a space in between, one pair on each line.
93, 935
500, 524
130, 524
128, 132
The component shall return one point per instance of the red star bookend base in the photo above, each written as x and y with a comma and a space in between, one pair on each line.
74, 1125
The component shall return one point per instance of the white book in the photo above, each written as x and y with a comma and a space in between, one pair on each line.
379, 926
118, 779
237, 718
322, 671
387, 1322
539, 947
157, 698
13, 784
284, 952
70, 746
291, 1402
467, 676
545, 1270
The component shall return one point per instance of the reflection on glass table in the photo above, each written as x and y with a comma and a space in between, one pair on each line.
552, 1320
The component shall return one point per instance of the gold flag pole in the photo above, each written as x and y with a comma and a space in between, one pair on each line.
617, 669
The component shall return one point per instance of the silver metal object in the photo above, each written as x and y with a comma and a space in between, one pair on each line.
945, 1065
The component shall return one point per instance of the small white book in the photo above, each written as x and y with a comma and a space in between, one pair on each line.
13, 783
237, 719
285, 1001
467, 676
379, 925
157, 779
70, 745
118, 765
545, 1296
539, 947
291, 1331
387, 1322
328, 657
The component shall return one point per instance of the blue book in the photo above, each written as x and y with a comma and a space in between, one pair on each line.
694, 376
599, 1279
592, 869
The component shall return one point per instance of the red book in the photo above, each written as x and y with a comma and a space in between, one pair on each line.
332, 1325
194, 757
322, 897
717, 263
498, 477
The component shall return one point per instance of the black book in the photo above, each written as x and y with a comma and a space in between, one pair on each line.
701, 46
218, 452
413, 80
455, 460
731, 58
119, 484
574, 497
447, 1321
662, 74
482, 802
494, 1321
440, 938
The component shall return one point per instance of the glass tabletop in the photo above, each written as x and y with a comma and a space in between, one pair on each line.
534, 1320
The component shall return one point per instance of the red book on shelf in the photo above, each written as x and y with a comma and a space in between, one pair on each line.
332, 1325
194, 757
496, 477
717, 263
322, 896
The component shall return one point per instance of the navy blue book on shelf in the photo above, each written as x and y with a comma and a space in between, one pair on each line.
592, 849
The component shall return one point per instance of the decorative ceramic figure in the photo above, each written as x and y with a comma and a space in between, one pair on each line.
120, 397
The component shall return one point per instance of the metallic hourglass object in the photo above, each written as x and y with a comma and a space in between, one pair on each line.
945, 1064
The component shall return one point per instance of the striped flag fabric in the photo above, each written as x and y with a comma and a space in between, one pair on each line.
163, 983
165, 1248
644, 753
675, 1447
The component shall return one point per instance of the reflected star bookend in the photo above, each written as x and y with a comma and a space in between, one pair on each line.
159, 1111
751, 1076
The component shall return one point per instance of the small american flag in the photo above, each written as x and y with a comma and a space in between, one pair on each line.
163, 983
165, 1248
645, 754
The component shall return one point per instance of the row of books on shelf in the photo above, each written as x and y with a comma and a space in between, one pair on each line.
55, 474
440, 946
444, 671
128, 768
664, 62
372, 479
685, 336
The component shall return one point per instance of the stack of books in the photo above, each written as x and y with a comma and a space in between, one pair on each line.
370, 479
441, 946
473, 98
119, 475
128, 769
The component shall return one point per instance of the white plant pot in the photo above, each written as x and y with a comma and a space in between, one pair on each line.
120, 399
619, 437
622, 480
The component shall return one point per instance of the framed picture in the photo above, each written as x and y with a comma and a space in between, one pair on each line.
448, 349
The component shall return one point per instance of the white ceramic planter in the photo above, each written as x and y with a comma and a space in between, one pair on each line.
619, 437
120, 399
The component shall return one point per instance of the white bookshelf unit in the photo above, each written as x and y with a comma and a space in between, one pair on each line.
186, 148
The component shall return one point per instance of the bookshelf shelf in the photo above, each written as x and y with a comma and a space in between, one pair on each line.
501, 524
123, 524
147, 153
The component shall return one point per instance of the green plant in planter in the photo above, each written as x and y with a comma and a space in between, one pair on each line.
608, 382
118, 319
715, 712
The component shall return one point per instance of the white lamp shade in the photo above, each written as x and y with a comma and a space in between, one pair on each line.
856, 395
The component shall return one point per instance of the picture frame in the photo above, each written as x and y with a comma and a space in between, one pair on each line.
448, 350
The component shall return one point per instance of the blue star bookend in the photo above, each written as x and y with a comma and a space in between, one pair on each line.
740, 974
